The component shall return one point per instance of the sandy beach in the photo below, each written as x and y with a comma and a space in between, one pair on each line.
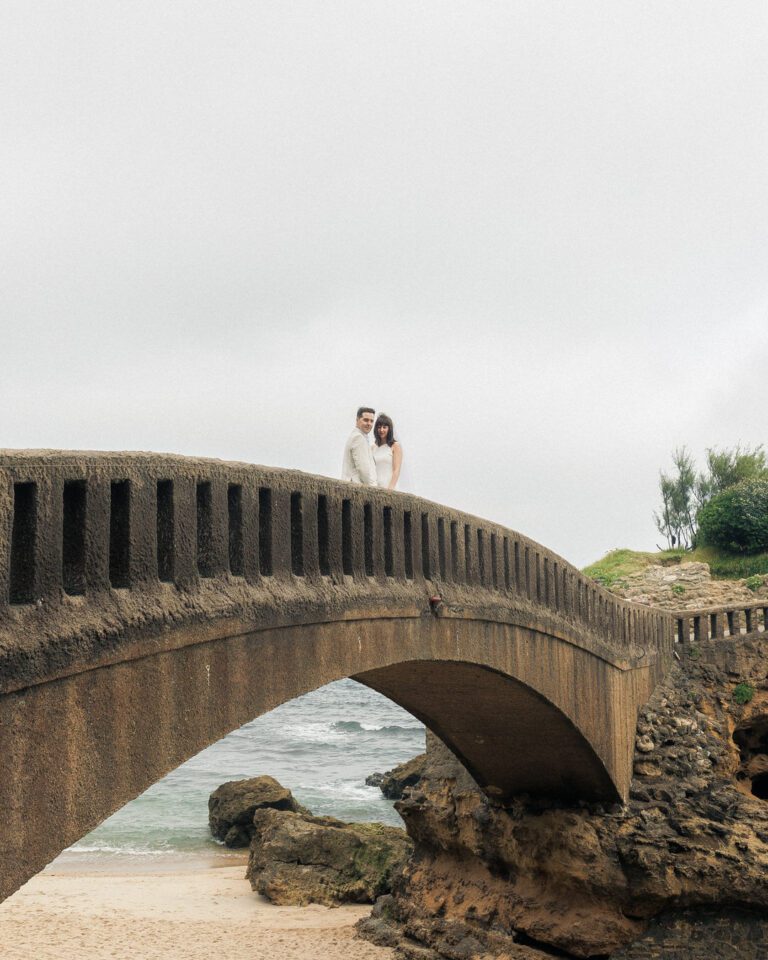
188, 911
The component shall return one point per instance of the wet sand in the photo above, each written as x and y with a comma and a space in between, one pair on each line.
185, 910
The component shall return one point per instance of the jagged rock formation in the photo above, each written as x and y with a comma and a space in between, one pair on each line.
232, 805
394, 782
677, 585
299, 859
679, 872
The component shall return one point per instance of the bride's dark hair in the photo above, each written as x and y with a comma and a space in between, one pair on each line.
384, 421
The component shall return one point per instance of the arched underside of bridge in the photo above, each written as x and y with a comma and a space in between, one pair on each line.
525, 711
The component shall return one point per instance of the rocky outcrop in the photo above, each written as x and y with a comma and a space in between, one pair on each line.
663, 876
232, 805
296, 858
394, 782
680, 585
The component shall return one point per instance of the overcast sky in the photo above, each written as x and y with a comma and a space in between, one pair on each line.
534, 233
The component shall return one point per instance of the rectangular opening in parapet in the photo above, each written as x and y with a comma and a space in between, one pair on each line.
389, 567
120, 533
73, 537
426, 567
408, 544
165, 527
265, 531
346, 538
323, 538
205, 554
297, 536
235, 520
368, 539
23, 536
454, 550
494, 562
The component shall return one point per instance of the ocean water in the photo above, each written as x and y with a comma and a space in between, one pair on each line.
321, 746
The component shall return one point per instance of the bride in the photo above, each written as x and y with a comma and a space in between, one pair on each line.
387, 453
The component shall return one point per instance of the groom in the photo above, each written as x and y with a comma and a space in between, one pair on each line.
358, 465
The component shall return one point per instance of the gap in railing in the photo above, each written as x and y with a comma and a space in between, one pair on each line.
120, 534
265, 532
74, 496
368, 539
408, 544
23, 544
425, 558
494, 562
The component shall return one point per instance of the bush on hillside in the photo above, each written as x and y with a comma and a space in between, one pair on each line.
737, 518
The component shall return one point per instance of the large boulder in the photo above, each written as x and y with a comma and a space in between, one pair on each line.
232, 805
395, 781
296, 858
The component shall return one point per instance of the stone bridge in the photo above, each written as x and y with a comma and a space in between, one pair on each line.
151, 604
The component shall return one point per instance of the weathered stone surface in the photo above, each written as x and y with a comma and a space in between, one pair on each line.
232, 805
669, 870
704, 934
677, 585
298, 859
395, 781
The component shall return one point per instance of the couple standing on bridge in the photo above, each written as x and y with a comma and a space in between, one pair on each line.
377, 464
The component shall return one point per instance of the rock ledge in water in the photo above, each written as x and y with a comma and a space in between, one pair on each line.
394, 782
232, 805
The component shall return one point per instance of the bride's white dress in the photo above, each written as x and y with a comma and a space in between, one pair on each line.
382, 457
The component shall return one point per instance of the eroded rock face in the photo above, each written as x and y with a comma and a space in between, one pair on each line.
298, 859
232, 805
684, 585
691, 843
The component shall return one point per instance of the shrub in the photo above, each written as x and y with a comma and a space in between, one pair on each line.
753, 583
743, 693
737, 518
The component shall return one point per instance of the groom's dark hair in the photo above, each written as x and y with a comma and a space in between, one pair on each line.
362, 410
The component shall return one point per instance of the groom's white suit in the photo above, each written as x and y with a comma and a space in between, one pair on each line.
358, 465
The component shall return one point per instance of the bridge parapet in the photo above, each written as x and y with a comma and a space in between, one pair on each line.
96, 531
738, 620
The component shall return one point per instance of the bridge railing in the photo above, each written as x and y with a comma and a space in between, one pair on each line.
716, 623
77, 525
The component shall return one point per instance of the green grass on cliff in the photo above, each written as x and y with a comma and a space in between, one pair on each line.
618, 564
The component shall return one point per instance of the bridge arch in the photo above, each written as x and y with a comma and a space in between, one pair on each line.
143, 622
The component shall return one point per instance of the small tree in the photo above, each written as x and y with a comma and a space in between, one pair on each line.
736, 519
676, 521
726, 468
